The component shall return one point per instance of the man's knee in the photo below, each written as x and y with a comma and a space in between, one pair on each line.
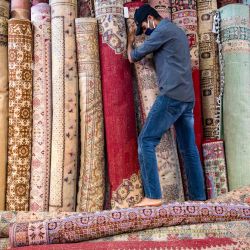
146, 142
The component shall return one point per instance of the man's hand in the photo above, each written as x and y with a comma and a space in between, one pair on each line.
131, 39
131, 35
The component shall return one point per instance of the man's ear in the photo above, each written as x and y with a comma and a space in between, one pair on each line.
150, 17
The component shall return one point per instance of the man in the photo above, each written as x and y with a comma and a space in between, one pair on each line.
174, 105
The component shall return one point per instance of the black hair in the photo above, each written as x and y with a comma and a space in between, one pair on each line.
155, 14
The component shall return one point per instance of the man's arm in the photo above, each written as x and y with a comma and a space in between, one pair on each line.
131, 39
154, 42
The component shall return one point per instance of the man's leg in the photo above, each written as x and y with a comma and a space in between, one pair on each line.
186, 141
159, 120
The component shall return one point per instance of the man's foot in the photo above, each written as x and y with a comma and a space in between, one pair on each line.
147, 202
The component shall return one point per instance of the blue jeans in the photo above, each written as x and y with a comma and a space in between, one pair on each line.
164, 113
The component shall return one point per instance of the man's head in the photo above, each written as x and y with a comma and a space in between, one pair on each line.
145, 18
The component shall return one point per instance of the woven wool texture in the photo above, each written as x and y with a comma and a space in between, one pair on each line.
162, 7
226, 2
42, 112
215, 168
210, 243
64, 146
20, 9
20, 114
118, 102
167, 158
35, 2
231, 229
239, 195
85, 8
9, 217
209, 68
89, 226
235, 40
4, 8
92, 175
4, 243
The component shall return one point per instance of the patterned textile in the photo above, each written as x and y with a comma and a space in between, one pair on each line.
119, 113
20, 114
167, 158
226, 2
42, 113
200, 244
241, 195
209, 68
163, 7
35, 2
92, 176
20, 9
4, 243
231, 229
86, 8
107, 223
65, 107
3, 99
8, 217
4, 8
215, 168
235, 42
184, 15
234, 229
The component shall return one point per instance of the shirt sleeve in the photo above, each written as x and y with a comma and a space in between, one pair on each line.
154, 42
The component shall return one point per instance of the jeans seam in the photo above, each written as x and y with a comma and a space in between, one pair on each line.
146, 175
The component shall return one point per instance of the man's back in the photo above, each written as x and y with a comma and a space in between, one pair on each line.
172, 60
173, 65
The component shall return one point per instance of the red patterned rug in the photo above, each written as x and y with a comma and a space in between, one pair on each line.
189, 244
119, 112
215, 168
226, 2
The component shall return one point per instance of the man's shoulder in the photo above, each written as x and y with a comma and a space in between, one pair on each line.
167, 25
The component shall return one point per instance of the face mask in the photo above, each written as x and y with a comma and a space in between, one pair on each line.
149, 30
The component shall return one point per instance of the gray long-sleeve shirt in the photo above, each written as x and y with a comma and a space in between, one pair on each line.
171, 52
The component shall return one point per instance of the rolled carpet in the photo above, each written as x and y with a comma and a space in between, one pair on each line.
35, 2
4, 14
162, 7
89, 226
91, 186
85, 8
209, 69
222, 3
42, 112
210, 243
20, 9
235, 42
64, 145
118, 103
227, 229
20, 42
215, 168
4, 8
9, 217
240, 195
